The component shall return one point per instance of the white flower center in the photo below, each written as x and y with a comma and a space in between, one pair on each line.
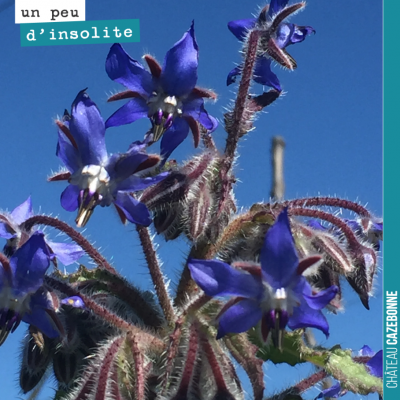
282, 299
162, 111
95, 179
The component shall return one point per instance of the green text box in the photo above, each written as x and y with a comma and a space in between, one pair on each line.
391, 167
81, 32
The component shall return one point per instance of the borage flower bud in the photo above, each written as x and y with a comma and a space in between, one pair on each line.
172, 198
36, 357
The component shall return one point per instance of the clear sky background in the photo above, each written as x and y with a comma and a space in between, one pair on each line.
330, 117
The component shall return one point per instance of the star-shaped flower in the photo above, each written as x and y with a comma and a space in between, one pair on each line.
167, 95
275, 36
95, 177
12, 228
22, 297
275, 292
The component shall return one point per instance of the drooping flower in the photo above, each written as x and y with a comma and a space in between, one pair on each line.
167, 95
369, 230
22, 297
275, 36
95, 178
374, 367
275, 292
12, 228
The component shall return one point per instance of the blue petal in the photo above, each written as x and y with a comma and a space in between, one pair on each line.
29, 264
377, 228
126, 164
69, 198
375, 364
264, 75
239, 318
67, 153
67, 253
366, 351
136, 183
306, 317
315, 224
275, 6
232, 75
87, 128
279, 259
133, 209
38, 317
179, 71
216, 278
300, 33
321, 299
4, 232
173, 137
74, 301
128, 72
288, 34
194, 107
212, 123
130, 112
333, 392
22, 212
240, 27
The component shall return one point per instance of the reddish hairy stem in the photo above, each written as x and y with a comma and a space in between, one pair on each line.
250, 363
155, 273
74, 235
327, 202
189, 365
239, 110
140, 384
347, 231
106, 368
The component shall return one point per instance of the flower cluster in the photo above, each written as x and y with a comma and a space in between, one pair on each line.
254, 280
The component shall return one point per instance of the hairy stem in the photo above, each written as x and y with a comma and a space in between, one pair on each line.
328, 202
156, 274
239, 110
74, 235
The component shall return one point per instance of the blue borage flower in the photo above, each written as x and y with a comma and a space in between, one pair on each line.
12, 229
22, 297
374, 367
275, 293
95, 177
167, 95
275, 37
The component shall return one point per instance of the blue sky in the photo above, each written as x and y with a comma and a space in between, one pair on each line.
330, 118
